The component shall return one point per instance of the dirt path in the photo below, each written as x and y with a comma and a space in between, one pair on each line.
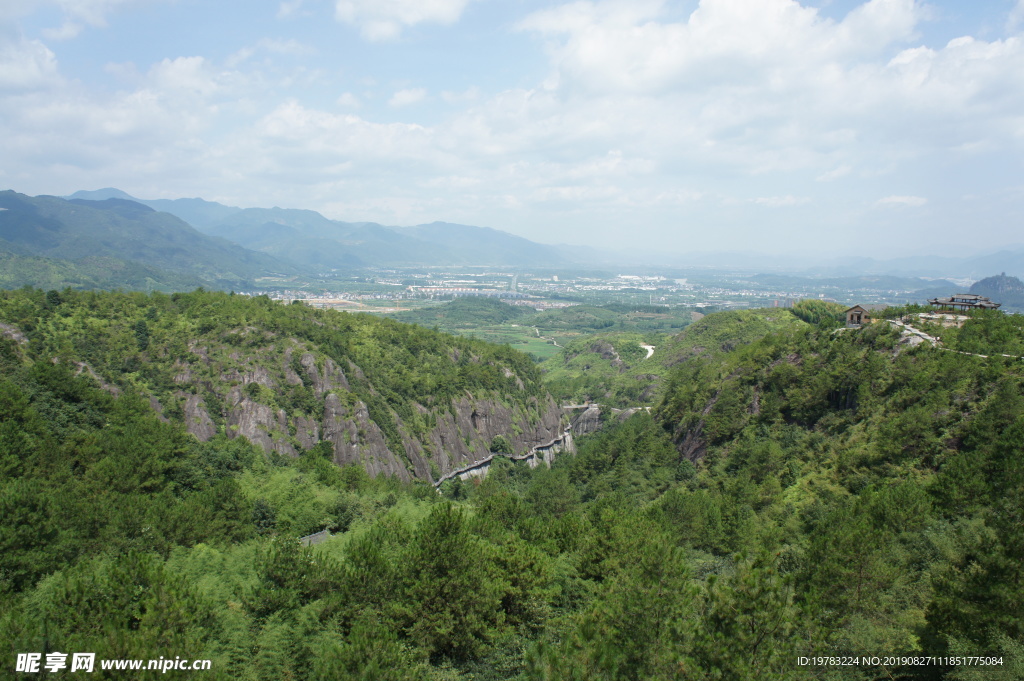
553, 341
937, 342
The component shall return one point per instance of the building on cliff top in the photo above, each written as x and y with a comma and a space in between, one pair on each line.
858, 315
964, 301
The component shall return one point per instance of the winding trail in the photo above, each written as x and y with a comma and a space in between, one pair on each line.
553, 341
480, 463
909, 330
649, 349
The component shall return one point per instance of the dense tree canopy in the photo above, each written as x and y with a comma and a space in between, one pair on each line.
812, 493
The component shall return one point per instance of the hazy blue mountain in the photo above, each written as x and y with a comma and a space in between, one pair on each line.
102, 195
126, 231
483, 245
1002, 289
1006, 261
197, 212
309, 239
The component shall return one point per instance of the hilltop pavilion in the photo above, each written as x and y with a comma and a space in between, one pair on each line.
964, 301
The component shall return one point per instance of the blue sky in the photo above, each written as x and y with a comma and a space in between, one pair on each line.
877, 128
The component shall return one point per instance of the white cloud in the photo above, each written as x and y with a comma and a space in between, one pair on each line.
617, 45
349, 101
184, 74
644, 118
469, 95
26, 64
80, 13
911, 201
288, 8
385, 19
771, 85
834, 174
286, 47
407, 97
76, 14
299, 129
67, 31
782, 201
1016, 19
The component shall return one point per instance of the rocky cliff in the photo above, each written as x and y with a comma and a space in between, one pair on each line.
395, 398
240, 402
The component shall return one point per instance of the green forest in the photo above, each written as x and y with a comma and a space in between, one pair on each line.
796, 491
614, 368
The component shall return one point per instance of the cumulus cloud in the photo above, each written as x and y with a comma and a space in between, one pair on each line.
407, 97
184, 74
617, 45
385, 19
644, 118
26, 64
771, 85
316, 131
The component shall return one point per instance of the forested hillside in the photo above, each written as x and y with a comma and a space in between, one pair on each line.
625, 369
395, 398
810, 493
117, 242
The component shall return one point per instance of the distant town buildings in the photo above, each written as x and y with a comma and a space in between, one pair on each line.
463, 291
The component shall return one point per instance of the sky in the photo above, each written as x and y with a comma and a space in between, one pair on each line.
823, 127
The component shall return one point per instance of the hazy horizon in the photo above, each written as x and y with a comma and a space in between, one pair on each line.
883, 129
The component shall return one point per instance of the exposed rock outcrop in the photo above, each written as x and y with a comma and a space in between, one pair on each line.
587, 420
197, 420
461, 434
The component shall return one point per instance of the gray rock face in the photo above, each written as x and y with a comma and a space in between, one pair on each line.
462, 434
587, 421
358, 440
197, 420
261, 424
333, 377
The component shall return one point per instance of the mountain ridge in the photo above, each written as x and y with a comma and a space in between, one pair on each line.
74, 230
310, 239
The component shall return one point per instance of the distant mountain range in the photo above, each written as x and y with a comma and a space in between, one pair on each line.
109, 239
49, 241
310, 240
